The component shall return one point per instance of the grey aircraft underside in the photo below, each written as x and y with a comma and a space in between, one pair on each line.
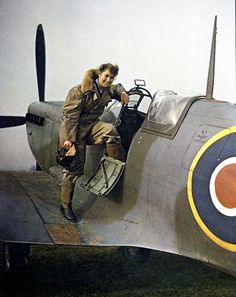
175, 192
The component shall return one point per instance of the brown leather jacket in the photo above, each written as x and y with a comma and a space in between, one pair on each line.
84, 105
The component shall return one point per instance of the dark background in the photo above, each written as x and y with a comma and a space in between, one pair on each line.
78, 271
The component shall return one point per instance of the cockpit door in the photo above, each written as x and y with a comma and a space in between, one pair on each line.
106, 176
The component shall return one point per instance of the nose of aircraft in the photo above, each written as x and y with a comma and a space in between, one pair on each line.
12, 121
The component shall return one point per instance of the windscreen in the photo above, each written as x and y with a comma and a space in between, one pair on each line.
165, 111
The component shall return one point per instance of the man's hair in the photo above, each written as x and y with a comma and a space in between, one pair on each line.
114, 69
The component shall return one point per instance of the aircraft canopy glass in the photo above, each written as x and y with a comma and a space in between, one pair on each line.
165, 111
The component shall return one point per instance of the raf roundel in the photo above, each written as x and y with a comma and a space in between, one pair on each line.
212, 188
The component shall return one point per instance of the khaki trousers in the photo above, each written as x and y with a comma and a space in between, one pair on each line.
97, 133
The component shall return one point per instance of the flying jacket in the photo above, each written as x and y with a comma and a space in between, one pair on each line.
84, 105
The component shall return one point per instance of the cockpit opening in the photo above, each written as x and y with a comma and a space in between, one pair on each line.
128, 119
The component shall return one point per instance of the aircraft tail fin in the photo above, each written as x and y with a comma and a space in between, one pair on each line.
211, 70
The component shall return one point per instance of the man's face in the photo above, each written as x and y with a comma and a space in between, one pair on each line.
105, 79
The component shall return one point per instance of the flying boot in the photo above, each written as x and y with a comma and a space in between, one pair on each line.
67, 190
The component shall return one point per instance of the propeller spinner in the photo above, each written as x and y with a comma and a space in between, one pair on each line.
40, 57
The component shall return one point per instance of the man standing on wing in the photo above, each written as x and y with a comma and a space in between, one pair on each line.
80, 125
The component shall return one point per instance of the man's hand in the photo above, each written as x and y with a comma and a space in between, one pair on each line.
67, 144
124, 98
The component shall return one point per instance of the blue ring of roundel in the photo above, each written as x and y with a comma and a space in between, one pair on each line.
220, 225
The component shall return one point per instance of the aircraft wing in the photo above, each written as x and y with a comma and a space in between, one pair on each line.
29, 210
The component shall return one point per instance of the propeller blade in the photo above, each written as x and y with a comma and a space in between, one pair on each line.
11, 121
40, 61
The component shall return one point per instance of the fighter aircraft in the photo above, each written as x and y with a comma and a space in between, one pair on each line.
174, 193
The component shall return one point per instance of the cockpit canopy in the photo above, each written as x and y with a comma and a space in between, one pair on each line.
167, 111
